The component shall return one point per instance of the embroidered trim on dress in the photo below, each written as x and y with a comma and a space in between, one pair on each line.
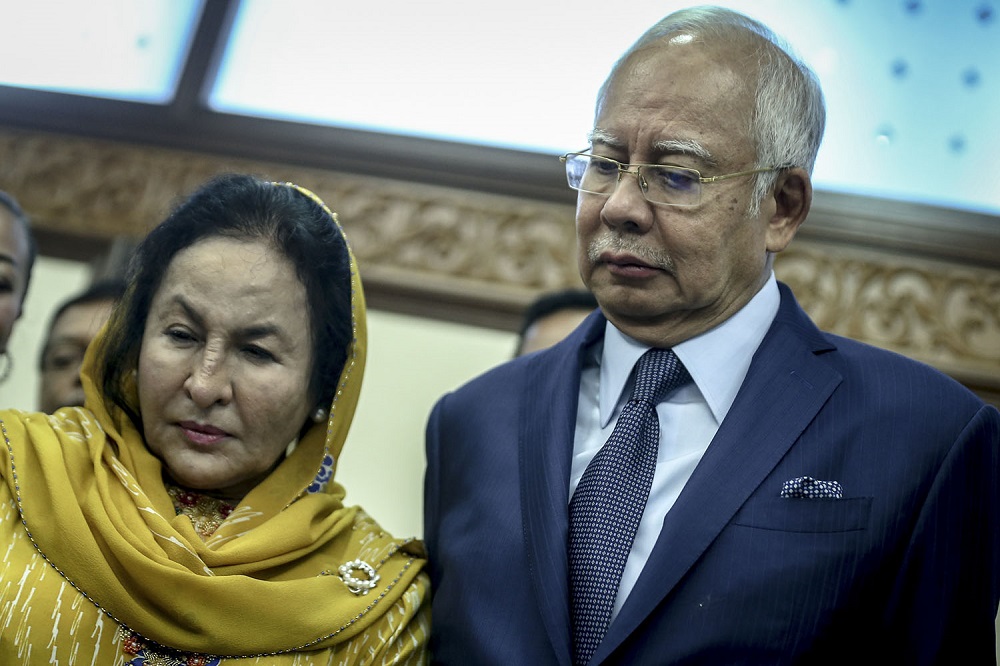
323, 477
206, 512
143, 654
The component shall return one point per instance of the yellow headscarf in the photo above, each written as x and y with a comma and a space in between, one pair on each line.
93, 501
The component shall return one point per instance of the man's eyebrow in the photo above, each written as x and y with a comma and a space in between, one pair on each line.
685, 147
688, 147
598, 135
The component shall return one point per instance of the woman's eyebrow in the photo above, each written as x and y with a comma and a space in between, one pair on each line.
188, 309
261, 331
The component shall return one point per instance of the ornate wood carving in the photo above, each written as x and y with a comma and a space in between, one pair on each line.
479, 258
942, 313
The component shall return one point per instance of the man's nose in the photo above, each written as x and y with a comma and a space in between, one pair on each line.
627, 207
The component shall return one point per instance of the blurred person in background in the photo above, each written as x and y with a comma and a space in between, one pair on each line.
17, 256
551, 317
74, 325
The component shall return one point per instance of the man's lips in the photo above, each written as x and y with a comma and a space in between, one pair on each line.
627, 264
200, 433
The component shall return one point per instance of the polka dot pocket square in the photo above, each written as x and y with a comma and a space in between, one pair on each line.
809, 488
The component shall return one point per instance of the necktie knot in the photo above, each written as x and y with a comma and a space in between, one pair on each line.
657, 372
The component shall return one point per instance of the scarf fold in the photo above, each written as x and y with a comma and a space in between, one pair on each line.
92, 498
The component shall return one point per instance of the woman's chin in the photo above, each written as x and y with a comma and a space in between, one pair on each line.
198, 481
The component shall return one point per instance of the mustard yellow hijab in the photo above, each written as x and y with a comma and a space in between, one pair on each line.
268, 581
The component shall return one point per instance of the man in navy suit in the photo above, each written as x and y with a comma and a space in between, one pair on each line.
815, 500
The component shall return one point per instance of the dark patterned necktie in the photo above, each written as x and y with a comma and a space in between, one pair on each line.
609, 501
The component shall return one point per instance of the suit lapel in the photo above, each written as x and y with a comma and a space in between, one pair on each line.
785, 387
546, 431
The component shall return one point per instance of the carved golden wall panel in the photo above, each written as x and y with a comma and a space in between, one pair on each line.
942, 313
446, 252
440, 232
92, 187
107, 189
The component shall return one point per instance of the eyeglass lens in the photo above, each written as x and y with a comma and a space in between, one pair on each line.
660, 184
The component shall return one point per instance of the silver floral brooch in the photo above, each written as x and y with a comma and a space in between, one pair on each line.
359, 586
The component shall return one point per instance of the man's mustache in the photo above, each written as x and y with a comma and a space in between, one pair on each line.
622, 244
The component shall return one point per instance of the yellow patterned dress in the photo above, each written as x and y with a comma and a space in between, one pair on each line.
44, 619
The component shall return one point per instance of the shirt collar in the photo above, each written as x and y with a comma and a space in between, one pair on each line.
717, 359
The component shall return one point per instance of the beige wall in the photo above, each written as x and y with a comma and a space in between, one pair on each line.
411, 362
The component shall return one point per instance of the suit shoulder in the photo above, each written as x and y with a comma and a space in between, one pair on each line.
506, 379
886, 371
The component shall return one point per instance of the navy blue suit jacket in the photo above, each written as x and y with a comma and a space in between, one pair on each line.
903, 569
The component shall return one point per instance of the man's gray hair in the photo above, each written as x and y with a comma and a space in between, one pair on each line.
789, 115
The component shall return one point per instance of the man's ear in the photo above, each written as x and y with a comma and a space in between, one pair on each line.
792, 199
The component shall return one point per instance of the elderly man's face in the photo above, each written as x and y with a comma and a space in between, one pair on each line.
663, 274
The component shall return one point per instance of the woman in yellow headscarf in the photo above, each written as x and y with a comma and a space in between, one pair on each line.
188, 514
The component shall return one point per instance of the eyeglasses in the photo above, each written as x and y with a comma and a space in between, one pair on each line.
662, 184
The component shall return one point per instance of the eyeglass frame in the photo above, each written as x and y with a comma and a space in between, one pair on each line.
624, 168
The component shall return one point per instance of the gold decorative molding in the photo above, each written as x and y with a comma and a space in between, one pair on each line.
95, 188
480, 258
105, 189
942, 313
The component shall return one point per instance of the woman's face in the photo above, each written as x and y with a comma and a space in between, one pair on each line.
225, 364
13, 272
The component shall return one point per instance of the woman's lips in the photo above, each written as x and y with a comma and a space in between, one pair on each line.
202, 434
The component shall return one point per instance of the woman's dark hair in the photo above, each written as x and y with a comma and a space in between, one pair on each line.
245, 208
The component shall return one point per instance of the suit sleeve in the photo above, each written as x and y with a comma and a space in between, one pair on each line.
431, 485
945, 596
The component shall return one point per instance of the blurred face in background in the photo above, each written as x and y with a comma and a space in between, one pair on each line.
13, 272
552, 328
71, 332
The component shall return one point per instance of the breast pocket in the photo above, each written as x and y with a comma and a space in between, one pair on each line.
806, 515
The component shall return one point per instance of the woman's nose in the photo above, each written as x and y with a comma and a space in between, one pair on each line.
209, 382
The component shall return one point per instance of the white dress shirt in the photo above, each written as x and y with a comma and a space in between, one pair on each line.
717, 360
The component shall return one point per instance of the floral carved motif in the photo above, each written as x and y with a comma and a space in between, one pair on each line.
945, 314
107, 189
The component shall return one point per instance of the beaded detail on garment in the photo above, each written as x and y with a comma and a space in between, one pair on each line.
206, 513
142, 653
